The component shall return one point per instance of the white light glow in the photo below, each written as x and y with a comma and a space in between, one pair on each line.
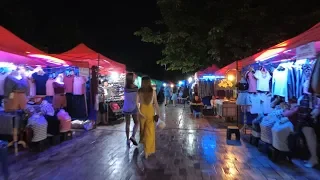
172, 85
164, 84
190, 79
180, 82
10, 66
230, 77
115, 76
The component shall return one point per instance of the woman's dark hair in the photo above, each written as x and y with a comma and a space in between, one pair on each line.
146, 89
129, 80
175, 89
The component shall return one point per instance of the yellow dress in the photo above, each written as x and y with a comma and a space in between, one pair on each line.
147, 129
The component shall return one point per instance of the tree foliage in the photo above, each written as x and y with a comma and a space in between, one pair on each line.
197, 33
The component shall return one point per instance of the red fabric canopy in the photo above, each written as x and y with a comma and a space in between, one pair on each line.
208, 71
311, 35
83, 56
15, 50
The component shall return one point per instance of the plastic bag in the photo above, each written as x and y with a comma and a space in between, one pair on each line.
161, 124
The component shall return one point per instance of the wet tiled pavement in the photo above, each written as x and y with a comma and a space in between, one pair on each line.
188, 148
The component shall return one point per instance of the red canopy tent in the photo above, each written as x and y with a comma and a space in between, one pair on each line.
15, 50
208, 71
284, 49
83, 56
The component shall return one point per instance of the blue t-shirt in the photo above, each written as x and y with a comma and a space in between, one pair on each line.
40, 82
167, 92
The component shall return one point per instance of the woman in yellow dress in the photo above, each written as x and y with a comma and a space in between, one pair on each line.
147, 99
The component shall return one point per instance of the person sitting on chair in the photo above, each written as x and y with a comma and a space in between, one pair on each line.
196, 104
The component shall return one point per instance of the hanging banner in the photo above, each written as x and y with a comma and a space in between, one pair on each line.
84, 72
306, 51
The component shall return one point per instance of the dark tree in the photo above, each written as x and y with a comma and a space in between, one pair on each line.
197, 33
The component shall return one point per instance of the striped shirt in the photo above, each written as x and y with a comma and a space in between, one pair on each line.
39, 126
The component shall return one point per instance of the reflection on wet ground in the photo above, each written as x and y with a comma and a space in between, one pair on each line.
188, 148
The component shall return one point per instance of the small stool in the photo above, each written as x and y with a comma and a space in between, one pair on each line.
233, 130
65, 136
54, 140
197, 114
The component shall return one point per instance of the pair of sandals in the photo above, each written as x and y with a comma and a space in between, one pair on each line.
133, 140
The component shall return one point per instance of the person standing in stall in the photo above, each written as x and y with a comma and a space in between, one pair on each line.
130, 108
147, 99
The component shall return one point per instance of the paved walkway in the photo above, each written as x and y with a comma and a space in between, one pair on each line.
187, 149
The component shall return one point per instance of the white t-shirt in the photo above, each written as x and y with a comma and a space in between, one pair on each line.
262, 80
79, 85
280, 83
49, 87
2, 78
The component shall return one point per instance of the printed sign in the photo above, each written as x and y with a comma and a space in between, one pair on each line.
84, 72
306, 51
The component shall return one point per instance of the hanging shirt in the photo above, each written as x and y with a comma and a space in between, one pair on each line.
68, 81
79, 85
252, 83
263, 79
49, 87
280, 83
40, 82
2, 78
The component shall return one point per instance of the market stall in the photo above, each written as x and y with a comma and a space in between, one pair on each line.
280, 87
99, 66
31, 107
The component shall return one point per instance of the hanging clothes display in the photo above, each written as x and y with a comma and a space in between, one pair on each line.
205, 88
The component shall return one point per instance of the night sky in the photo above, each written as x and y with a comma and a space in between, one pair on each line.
105, 26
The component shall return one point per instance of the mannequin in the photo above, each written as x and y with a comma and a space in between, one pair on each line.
16, 88
40, 78
59, 98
